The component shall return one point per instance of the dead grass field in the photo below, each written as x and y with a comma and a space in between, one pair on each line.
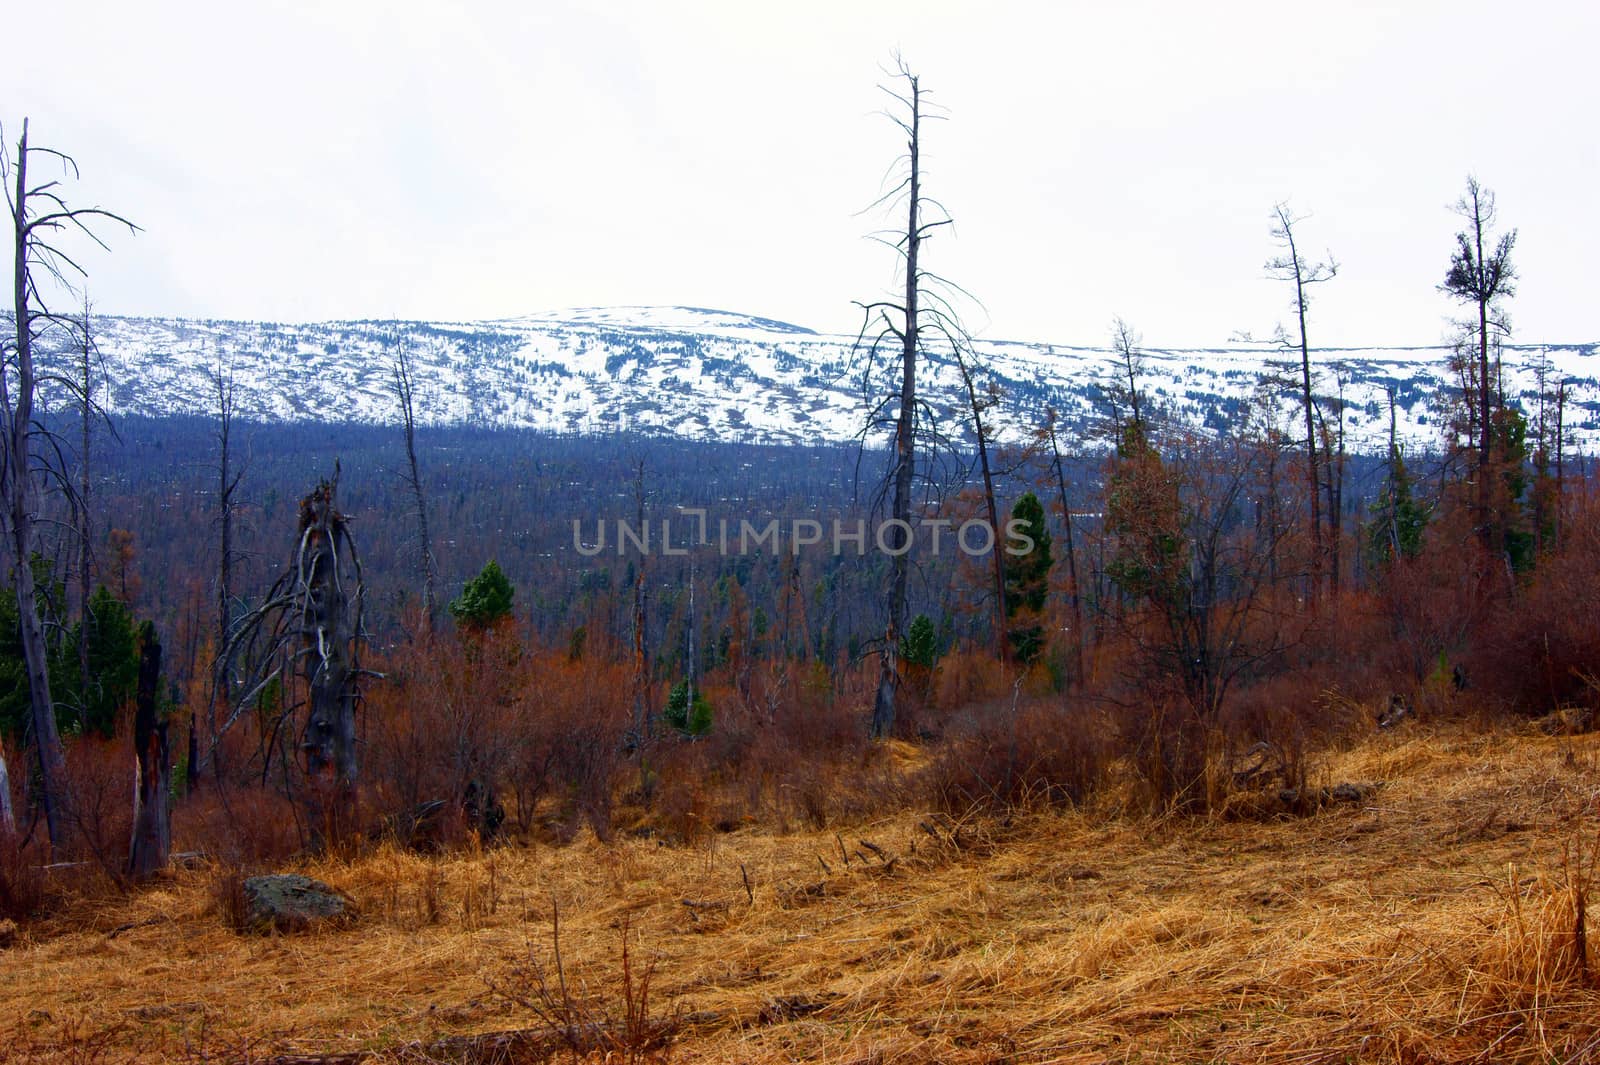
1433, 922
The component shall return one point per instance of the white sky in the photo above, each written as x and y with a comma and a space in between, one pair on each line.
344, 159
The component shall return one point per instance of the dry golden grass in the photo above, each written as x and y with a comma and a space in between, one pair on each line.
1431, 923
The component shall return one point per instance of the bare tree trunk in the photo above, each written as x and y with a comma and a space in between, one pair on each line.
1293, 268
883, 708
8, 820
403, 392
997, 563
191, 765
329, 634
694, 621
1394, 481
21, 511
642, 723
227, 487
1272, 508
1333, 484
1485, 424
1072, 552
1313, 478
85, 522
1561, 408
152, 817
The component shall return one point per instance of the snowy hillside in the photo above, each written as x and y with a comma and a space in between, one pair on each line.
705, 374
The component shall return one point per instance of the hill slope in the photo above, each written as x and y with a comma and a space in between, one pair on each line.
1431, 922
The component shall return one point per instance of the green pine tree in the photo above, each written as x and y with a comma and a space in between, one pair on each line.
690, 717
1028, 581
1398, 517
486, 599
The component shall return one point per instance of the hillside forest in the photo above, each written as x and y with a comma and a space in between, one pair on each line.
330, 637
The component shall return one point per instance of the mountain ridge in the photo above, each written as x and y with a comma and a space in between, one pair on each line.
704, 373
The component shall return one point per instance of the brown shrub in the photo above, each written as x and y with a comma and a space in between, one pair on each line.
965, 678
1005, 755
99, 816
476, 714
1541, 650
245, 827
22, 882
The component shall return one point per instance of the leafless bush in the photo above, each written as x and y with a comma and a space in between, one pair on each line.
581, 1020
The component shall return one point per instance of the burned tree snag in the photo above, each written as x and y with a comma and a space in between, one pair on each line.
1292, 266
429, 565
642, 724
152, 817
85, 518
1049, 433
895, 333
8, 820
329, 612
228, 478
979, 406
39, 217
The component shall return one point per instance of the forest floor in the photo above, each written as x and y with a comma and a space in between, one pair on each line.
1432, 921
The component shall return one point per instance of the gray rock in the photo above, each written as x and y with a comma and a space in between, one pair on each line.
289, 902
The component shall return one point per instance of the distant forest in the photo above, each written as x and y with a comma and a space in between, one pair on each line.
512, 496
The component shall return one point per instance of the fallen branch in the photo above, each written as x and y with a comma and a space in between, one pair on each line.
159, 918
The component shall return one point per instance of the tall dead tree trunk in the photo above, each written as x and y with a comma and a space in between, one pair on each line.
38, 213
16, 476
883, 709
1561, 487
1292, 267
1072, 551
1274, 524
85, 516
1125, 341
1333, 454
228, 478
903, 326
8, 820
977, 408
404, 394
642, 723
152, 817
329, 609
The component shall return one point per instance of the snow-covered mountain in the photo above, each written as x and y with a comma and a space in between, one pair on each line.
706, 374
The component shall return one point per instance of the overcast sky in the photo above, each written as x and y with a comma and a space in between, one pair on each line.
343, 160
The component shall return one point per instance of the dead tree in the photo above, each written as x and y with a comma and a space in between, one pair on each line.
305, 640
1333, 464
8, 820
403, 395
330, 632
899, 331
152, 817
1125, 342
1561, 503
1048, 432
642, 723
85, 399
228, 477
39, 215
1292, 267
978, 407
